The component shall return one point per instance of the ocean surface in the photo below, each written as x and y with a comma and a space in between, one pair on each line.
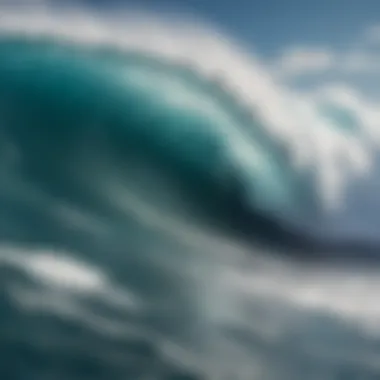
160, 218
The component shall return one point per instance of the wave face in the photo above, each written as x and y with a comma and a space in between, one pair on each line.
150, 209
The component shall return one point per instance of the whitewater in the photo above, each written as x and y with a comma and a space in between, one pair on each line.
170, 209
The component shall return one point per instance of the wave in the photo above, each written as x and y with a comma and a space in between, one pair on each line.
194, 123
173, 160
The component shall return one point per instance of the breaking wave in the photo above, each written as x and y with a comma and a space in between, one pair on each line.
171, 161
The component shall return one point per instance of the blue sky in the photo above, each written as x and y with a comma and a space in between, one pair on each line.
335, 33
269, 24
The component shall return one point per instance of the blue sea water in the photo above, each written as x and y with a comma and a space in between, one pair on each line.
153, 226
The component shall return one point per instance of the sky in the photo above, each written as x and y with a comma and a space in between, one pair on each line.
307, 42
270, 24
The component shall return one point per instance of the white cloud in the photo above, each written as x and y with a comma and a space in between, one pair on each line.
372, 34
301, 60
360, 62
359, 58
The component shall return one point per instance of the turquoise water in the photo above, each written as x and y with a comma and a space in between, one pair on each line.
152, 228
78, 105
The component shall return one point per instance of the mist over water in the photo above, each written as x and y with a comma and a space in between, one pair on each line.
160, 218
